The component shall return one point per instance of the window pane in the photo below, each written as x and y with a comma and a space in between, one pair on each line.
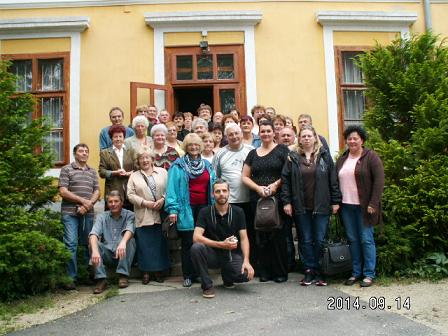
225, 67
53, 112
23, 71
52, 75
354, 103
56, 142
227, 98
184, 66
205, 66
352, 73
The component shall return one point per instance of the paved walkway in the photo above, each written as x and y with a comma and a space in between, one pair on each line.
250, 309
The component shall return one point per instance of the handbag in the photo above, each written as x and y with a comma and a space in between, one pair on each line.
336, 257
169, 229
267, 217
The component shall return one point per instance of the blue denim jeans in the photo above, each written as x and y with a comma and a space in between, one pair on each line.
76, 227
123, 266
362, 243
312, 229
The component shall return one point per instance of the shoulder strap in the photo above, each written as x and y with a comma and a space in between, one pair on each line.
151, 188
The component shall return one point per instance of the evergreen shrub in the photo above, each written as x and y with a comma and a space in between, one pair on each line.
32, 257
407, 87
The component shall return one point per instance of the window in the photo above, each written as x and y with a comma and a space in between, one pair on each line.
351, 88
220, 70
46, 77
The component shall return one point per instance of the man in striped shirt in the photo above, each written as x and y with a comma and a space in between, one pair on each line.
79, 189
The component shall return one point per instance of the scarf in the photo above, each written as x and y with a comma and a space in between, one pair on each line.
193, 167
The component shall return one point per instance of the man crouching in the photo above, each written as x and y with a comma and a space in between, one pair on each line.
218, 230
111, 242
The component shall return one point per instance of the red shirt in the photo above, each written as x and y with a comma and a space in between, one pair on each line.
198, 189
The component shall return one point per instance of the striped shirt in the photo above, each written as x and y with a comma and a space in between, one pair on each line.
83, 182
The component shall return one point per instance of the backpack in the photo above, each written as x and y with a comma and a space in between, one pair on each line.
267, 217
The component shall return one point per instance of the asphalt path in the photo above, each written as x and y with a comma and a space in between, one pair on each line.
250, 309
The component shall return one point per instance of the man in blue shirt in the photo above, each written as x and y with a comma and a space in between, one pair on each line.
116, 116
112, 242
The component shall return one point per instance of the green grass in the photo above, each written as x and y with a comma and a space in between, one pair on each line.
8, 310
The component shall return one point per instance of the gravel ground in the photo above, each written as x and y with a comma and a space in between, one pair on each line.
428, 300
428, 303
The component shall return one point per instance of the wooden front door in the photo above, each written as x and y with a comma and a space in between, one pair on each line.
215, 77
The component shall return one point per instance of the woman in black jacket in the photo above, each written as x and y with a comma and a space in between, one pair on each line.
310, 192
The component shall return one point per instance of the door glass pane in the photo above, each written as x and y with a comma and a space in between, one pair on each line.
352, 73
52, 75
184, 67
205, 66
227, 99
354, 103
225, 66
23, 71
55, 140
53, 112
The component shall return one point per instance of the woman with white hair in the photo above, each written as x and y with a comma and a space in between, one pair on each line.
199, 126
146, 191
164, 155
140, 125
189, 189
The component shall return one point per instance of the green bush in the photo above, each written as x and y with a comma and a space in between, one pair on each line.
433, 266
30, 262
32, 257
407, 87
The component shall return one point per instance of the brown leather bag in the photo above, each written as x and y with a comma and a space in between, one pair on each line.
267, 217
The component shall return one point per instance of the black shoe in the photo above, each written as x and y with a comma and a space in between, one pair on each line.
350, 281
208, 293
70, 286
280, 279
229, 285
264, 279
308, 279
187, 282
366, 282
320, 281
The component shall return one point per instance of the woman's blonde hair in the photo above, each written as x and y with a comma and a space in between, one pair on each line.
142, 151
317, 143
192, 138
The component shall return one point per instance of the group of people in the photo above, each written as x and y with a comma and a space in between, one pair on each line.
206, 173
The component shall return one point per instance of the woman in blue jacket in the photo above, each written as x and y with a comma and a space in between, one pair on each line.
189, 189
310, 192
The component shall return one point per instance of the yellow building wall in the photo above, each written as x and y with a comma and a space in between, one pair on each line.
193, 38
363, 38
30, 46
117, 48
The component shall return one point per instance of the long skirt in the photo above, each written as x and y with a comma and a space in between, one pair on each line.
152, 249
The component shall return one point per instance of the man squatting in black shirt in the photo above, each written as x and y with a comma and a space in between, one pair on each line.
220, 241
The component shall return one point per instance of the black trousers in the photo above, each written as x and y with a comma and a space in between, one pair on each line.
186, 243
249, 216
272, 252
205, 257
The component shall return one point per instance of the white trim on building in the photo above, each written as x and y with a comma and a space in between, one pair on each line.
14, 4
172, 22
332, 21
54, 27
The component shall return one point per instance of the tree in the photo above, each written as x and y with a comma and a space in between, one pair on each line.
407, 87
32, 258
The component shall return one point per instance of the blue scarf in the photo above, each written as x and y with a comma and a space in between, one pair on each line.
194, 167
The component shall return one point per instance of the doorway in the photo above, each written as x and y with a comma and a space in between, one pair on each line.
188, 99
215, 77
